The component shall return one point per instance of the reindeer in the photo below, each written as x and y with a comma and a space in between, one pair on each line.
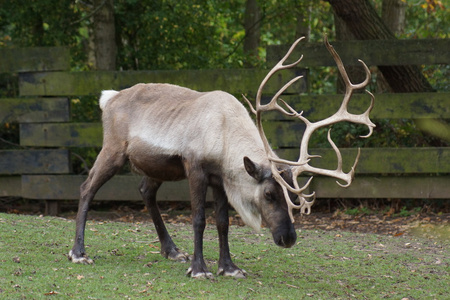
170, 133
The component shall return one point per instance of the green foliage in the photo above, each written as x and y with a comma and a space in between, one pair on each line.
166, 34
429, 20
426, 19
361, 210
201, 34
39, 23
404, 212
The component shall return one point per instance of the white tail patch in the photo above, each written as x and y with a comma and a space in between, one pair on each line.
106, 95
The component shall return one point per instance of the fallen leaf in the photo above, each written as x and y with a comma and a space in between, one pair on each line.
51, 293
292, 286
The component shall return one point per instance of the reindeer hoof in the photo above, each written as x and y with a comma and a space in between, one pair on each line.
200, 274
80, 259
178, 256
237, 273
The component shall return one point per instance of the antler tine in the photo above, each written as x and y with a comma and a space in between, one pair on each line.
279, 66
304, 205
250, 105
342, 70
352, 171
370, 125
296, 189
273, 104
259, 108
336, 150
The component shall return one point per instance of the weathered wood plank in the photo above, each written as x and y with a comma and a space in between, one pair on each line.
372, 52
283, 134
243, 81
46, 161
34, 59
411, 187
119, 188
381, 160
61, 134
123, 188
26, 110
10, 186
387, 106
280, 134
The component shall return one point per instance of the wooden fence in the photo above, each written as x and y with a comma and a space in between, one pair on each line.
42, 170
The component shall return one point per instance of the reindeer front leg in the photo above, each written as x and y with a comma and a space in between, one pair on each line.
197, 185
226, 265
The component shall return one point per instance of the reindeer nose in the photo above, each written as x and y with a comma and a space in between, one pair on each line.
285, 240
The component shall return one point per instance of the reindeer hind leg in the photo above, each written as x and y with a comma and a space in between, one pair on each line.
148, 190
108, 163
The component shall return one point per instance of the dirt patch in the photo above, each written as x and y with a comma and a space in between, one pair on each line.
427, 225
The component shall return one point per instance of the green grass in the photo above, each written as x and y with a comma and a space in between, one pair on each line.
323, 265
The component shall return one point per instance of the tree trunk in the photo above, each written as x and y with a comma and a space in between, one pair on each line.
393, 14
104, 35
363, 21
303, 27
252, 26
355, 73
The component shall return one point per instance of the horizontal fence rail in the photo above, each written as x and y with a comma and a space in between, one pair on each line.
243, 81
372, 52
43, 161
34, 59
123, 187
29, 110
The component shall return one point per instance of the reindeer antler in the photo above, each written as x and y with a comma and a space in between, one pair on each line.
302, 165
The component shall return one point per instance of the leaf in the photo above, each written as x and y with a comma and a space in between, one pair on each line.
51, 293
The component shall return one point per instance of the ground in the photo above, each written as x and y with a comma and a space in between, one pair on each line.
432, 224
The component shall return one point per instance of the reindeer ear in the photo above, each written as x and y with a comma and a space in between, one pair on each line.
253, 169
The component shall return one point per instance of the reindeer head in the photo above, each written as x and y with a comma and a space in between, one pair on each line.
287, 180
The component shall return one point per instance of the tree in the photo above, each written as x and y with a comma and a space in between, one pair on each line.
105, 48
303, 14
393, 14
355, 73
252, 27
364, 22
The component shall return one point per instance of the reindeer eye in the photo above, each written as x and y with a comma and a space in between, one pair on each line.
268, 194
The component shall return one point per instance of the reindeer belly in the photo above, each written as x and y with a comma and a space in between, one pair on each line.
155, 165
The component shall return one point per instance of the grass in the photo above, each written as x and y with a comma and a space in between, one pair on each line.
323, 265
